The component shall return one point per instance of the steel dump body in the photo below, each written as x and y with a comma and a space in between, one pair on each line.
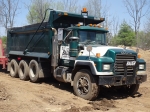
21, 38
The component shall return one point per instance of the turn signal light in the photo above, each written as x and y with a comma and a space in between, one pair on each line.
98, 55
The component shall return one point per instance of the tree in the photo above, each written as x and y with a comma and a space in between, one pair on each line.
38, 7
94, 7
4, 40
8, 12
98, 9
144, 36
37, 10
137, 9
70, 5
115, 25
144, 40
125, 35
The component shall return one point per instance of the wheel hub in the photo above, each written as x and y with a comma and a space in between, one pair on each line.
83, 85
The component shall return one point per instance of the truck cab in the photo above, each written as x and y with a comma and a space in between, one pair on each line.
89, 62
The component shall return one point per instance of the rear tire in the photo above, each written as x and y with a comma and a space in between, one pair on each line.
23, 70
33, 71
14, 68
85, 86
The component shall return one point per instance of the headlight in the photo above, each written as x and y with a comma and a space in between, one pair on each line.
141, 66
106, 67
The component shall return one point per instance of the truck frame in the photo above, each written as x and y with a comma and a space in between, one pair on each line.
73, 49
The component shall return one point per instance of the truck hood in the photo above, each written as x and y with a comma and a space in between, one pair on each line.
105, 51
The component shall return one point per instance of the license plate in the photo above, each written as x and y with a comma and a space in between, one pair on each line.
131, 63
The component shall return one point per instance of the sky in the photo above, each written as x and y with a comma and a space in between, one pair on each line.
116, 8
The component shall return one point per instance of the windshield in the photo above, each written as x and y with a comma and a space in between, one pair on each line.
92, 37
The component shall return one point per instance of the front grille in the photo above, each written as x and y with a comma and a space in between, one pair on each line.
119, 68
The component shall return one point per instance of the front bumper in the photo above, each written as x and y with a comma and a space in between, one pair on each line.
122, 80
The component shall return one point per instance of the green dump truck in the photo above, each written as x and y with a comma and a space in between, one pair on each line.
73, 49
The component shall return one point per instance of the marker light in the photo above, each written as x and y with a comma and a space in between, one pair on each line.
84, 10
65, 13
139, 56
102, 19
90, 24
106, 28
98, 55
78, 25
94, 25
99, 25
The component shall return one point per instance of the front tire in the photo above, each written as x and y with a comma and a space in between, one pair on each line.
85, 85
132, 89
34, 71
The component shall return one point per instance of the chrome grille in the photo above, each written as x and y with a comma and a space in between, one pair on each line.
119, 68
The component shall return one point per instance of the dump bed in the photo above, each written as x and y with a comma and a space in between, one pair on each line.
20, 39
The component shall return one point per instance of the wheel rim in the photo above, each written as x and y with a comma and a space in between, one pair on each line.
83, 85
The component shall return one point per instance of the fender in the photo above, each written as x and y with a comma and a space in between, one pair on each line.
92, 67
86, 63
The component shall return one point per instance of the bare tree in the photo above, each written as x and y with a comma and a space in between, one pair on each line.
8, 12
137, 9
94, 7
98, 9
70, 5
115, 25
37, 10
147, 24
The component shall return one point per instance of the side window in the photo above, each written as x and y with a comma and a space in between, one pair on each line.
100, 38
83, 36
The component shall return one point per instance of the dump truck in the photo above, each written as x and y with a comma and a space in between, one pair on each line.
73, 49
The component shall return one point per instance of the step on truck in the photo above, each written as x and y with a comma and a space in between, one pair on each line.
73, 49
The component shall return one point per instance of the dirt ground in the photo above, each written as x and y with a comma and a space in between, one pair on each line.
52, 96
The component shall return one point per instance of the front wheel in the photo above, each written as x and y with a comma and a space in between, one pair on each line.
85, 85
132, 89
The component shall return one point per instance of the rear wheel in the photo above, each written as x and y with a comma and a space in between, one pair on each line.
34, 71
14, 68
23, 70
85, 85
